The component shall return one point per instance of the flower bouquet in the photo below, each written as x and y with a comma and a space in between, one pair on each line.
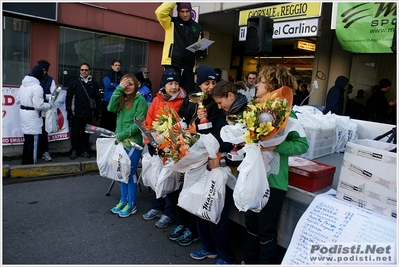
265, 119
184, 149
262, 123
172, 135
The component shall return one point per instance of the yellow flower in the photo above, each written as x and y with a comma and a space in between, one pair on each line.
248, 137
275, 112
176, 141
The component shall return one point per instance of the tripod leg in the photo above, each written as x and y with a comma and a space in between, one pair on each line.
110, 187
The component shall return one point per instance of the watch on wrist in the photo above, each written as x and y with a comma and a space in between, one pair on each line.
222, 162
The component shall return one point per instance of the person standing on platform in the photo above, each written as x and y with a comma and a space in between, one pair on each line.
30, 96
48, 86
111, 81
180, 32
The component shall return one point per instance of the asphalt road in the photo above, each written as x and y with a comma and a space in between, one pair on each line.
68, 221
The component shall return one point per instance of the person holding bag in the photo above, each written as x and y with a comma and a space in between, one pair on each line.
206, 78
171, 95
261, 237
215, 237
129, 106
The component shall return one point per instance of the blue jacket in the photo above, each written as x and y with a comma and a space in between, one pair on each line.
145, 92
111, 80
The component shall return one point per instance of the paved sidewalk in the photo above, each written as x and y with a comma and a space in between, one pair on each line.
60, 165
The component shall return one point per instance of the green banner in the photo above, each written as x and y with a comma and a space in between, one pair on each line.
366, 27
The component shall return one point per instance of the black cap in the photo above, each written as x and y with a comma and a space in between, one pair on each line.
37, 72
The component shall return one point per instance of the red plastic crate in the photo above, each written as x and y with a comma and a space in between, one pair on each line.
309, 175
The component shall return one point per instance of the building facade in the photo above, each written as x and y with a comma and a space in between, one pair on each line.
68, 34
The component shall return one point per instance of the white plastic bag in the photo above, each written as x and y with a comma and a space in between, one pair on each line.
203, 193
51, 121
106, 148
168, 181
252, 189
344, 132
151, 168
121, 164
206, 146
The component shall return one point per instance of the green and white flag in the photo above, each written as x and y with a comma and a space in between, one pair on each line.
366, 27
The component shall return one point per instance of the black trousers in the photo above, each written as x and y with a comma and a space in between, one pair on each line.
29, 152
215, 238
79, 138
108, 119
185, 218
43, 139
261, 237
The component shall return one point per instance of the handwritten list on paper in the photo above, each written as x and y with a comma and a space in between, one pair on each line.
329, 220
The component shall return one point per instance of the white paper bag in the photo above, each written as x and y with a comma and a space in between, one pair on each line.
252, 189
203, 193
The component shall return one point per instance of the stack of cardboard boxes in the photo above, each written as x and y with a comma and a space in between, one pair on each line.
368, 176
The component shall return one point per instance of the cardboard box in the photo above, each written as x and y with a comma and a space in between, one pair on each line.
321, 142
354, 198
368, 176
309, 175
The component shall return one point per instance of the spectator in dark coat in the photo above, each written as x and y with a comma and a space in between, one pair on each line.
335, 96
377, 105
79, 110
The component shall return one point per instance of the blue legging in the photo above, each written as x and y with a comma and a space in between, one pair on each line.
129, 190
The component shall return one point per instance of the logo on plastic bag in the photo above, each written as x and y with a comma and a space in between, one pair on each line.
207, 206
119, 168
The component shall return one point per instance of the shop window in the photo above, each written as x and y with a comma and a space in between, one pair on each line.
16, 50
98, 50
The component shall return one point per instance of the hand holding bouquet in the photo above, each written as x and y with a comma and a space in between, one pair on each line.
265, 119
172, 134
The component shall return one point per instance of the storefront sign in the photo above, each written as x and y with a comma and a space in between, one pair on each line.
366, 27
305, 46
11, 129
290, 11
290, 29
296, 29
